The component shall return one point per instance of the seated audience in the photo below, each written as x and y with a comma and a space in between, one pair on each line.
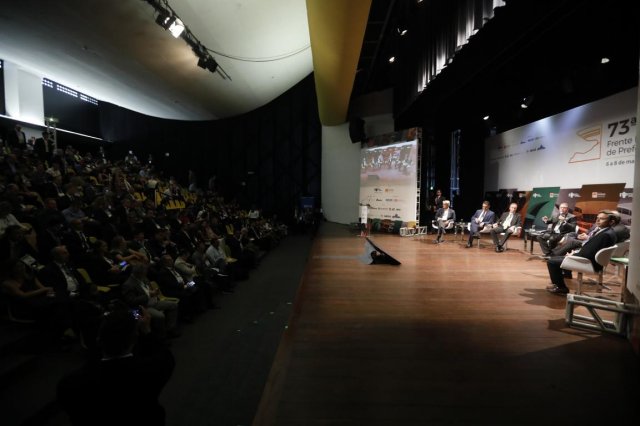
123, 386
137, 291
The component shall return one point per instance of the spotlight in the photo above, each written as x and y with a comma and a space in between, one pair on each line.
392, 59
176, 28
604, 60
485, 118
165, 20
526, 102
208, 63
402, 31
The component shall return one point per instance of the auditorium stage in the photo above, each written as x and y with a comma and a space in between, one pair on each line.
451, 336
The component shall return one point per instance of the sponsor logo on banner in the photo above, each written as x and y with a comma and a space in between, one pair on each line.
598, 195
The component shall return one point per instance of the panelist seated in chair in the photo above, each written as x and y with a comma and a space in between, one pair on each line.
602, 236
571, 243
445, 218
507, 225
558, 226
479, 220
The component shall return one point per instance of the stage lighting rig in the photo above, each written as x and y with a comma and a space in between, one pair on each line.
168, 19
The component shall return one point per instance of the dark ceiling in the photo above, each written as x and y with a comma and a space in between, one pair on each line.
547, 50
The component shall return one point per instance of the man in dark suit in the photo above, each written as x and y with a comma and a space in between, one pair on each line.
508, 223
603, 237
479, 220
43, 147
16, 138
64, 279
557, 227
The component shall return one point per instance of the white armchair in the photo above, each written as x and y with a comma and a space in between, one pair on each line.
583, 265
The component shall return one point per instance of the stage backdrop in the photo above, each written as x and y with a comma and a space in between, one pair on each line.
590, 144
389, 172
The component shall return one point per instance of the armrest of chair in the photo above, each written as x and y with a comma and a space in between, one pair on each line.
577, 263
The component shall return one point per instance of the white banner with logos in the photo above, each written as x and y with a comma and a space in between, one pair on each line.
593, 143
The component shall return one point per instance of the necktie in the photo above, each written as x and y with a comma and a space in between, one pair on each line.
481, 217
507, 222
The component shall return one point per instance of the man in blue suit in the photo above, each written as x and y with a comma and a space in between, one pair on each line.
480, 218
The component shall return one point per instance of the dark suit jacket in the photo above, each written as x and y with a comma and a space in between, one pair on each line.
515, 220
489, 216
569, 224
168, 283
51, 275
603, 239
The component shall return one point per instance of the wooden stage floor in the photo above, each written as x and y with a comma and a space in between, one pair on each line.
451, 336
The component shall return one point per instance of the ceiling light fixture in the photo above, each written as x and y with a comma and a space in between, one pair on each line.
168, 19
392, 59
526, 102
604, 60
485, 118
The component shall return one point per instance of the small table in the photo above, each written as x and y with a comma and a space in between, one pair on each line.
459, 226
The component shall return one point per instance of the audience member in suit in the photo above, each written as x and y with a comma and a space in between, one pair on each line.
120, 252
183, 240
246, 258
479, 220
603, 237
49, 238
43, 147
102, 267
140, 244
63, 278
445, 217
137, 292
16, 138
50, 215
508, 223
173, 284
122, 386
558, 226
14, 245
77, 242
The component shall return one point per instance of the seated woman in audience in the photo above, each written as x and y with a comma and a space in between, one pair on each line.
29, 299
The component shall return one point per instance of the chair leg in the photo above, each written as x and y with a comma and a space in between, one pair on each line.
579, 289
